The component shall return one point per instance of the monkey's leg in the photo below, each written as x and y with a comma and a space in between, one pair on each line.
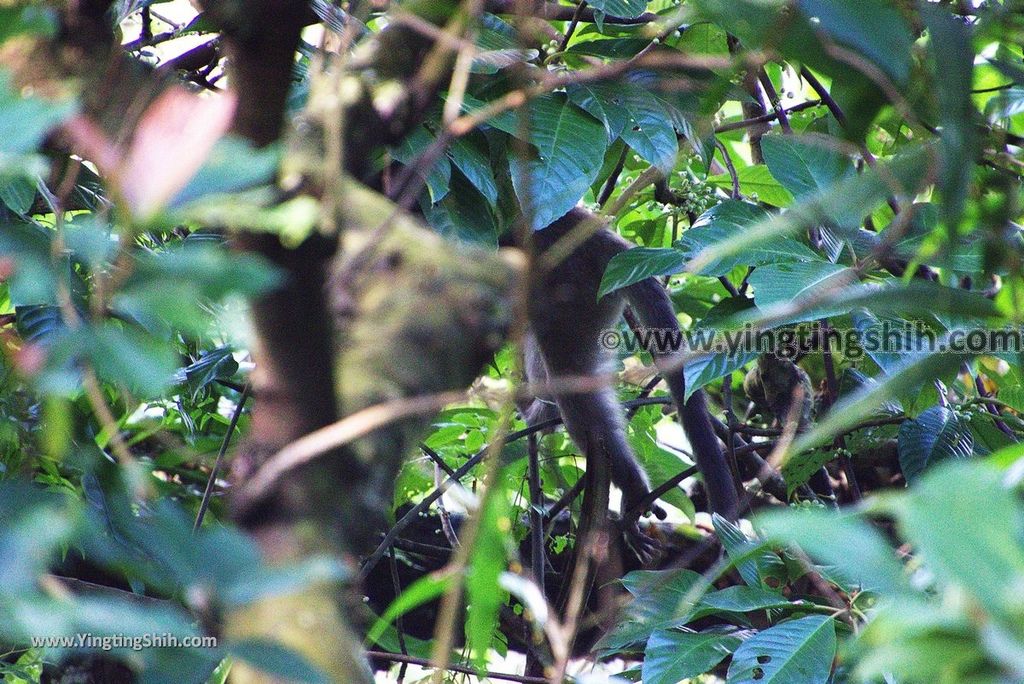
594, 421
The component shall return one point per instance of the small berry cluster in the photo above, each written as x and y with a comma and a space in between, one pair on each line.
698, 195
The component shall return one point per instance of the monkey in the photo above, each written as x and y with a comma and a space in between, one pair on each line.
566, 319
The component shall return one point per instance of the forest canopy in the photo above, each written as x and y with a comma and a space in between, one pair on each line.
268, 269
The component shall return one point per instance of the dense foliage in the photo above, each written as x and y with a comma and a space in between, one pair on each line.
843, 176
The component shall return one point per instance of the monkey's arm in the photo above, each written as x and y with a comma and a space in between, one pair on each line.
654, 309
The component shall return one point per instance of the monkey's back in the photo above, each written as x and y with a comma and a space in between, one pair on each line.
565, 312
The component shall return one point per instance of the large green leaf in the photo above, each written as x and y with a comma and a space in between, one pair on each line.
25, 121
408, 151
757, 183
741, 599
17, 192
620, 8
463, 214
757, 564
720, 360
874, 28
988, 564
935, 435
661, 599
728, 219
805, 164
486, 563
953, 54
469, 154
854, 549
672, 656
794, 652
964, 309
857, 195
793, 283
642, 121
570, 150
615, 48
639, 263
119, 355
891, 342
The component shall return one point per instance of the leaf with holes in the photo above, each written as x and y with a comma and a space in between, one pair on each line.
629, 110
794, 652
570, 151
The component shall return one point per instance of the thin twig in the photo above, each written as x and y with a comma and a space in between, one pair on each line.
773, 99
204, 504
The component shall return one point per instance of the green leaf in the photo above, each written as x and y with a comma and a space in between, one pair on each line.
570, 150
706, 368
892, 298
661, 599
425, 589
463, 214
486, 563
846, 543
175, 287
854, 196
232, 165
935, 435
215, 364
603, 103
642, 121
790, 283
472, 161
740, 599
637, 264
728, 219
24, 122
988, 564
408, 152
891, 342
953, 54
36, 523
757, 183
18, 193
805, 165
794, 652
120, 355
672, 656
620, 8
276, 660
612, 48
755, 562
1006, 103
874, 28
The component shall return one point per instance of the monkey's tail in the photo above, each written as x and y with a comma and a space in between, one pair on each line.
655, 312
